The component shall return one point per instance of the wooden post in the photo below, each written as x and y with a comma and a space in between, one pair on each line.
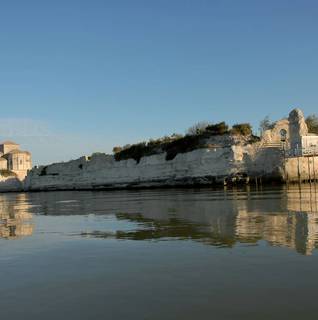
284, 166
299, 174
314, 169
308, 164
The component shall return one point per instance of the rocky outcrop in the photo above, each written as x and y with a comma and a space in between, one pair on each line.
297, 128
10, 184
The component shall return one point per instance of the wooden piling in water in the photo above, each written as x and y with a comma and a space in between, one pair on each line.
314, 169
299, 173
308, 164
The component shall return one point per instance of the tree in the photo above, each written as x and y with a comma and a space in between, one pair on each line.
312, 123
198, 128
265, 124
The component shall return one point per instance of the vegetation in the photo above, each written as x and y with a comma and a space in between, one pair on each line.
198, 128
218, 128
244, 129
43, 171
197, 137
312, 123
266, 124
7, 173
117, 149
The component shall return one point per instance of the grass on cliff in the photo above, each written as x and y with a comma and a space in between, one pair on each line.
175, 144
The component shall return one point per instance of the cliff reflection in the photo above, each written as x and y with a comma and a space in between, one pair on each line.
237, 218
280, 217
15, 220
172, 228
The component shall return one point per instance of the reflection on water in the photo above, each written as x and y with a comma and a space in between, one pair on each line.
160, 254
171, 228
281, 217
15, 220
236, 218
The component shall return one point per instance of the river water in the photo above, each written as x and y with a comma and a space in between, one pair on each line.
160, 254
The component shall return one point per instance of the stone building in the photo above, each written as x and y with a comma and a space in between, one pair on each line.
292, 134
14, 159
7, 146
3, 164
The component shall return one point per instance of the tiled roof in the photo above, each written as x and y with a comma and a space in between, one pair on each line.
18, 151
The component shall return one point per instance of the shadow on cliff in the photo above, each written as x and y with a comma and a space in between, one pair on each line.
266, 163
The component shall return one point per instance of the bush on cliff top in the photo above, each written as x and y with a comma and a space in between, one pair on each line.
177, 143
218, 128
198, 128
312, 123
244, 129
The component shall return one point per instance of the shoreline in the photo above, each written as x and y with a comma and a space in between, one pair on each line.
215, 186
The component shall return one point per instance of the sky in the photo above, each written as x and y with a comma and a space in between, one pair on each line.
78, 76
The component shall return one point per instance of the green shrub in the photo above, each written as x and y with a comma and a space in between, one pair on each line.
312, 123
218, 128
186, 144
142, 149
43, 171
244, 129
196, 138
135, 151
254, 139
117, 149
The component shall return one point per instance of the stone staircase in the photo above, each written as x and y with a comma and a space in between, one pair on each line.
277, 145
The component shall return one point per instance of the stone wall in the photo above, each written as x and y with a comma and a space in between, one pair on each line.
301, 169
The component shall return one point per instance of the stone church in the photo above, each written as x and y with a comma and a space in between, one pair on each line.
15, 160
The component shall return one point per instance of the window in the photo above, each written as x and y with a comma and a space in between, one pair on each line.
283, 134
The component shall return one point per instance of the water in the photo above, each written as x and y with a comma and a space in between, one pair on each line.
160, 254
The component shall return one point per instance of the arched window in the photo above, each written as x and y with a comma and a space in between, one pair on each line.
283, 135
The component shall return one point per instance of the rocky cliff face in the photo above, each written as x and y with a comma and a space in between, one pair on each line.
10, 184
297, 128
201, 166
221, 158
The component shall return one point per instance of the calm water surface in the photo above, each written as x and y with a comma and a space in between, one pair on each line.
160, 254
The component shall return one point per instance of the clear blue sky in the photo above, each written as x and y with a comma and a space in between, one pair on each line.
81, 76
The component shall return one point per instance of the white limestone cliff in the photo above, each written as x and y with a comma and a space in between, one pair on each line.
227, 158
201, 166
